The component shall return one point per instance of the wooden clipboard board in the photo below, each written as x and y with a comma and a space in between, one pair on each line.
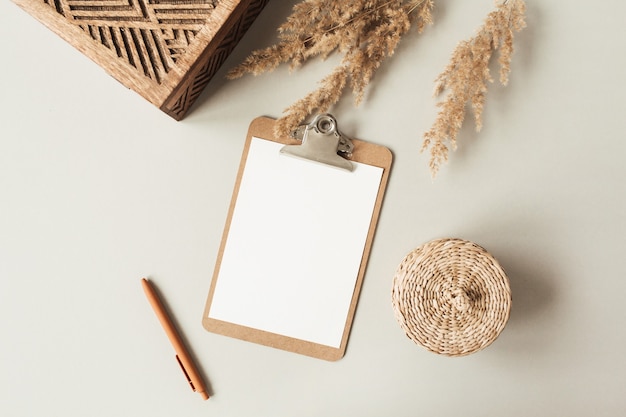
366, 155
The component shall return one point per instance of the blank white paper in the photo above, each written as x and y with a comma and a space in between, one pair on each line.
295, 244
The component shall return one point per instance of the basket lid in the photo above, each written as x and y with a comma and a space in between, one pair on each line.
451, 297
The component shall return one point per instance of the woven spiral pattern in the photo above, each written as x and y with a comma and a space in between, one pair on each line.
451, 297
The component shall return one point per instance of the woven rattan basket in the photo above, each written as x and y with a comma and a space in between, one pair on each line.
451, 297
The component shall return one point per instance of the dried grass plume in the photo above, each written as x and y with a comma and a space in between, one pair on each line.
466, 76
364, 31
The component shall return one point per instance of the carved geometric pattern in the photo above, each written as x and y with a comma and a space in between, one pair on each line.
150, 35
206, 72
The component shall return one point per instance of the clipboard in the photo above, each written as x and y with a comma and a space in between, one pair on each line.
297, 239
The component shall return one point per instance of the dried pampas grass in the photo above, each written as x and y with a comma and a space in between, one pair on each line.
466, 77
364, 31
368, 31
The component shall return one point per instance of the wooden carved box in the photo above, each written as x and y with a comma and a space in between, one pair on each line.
165, 50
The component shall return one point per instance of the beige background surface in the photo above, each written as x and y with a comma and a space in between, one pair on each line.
98, 189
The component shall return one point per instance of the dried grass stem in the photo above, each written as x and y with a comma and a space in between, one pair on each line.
466, 76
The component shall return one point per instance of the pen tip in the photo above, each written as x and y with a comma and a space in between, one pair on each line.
204, 395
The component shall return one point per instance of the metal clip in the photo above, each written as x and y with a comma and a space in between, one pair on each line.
321, 142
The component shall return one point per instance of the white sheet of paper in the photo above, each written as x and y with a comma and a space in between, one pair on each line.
295, 245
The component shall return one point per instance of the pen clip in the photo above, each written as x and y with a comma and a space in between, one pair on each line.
185, 372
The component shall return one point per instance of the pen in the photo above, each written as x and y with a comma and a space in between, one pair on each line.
182, 356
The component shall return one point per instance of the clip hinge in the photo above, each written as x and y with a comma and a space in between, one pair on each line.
321, 142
